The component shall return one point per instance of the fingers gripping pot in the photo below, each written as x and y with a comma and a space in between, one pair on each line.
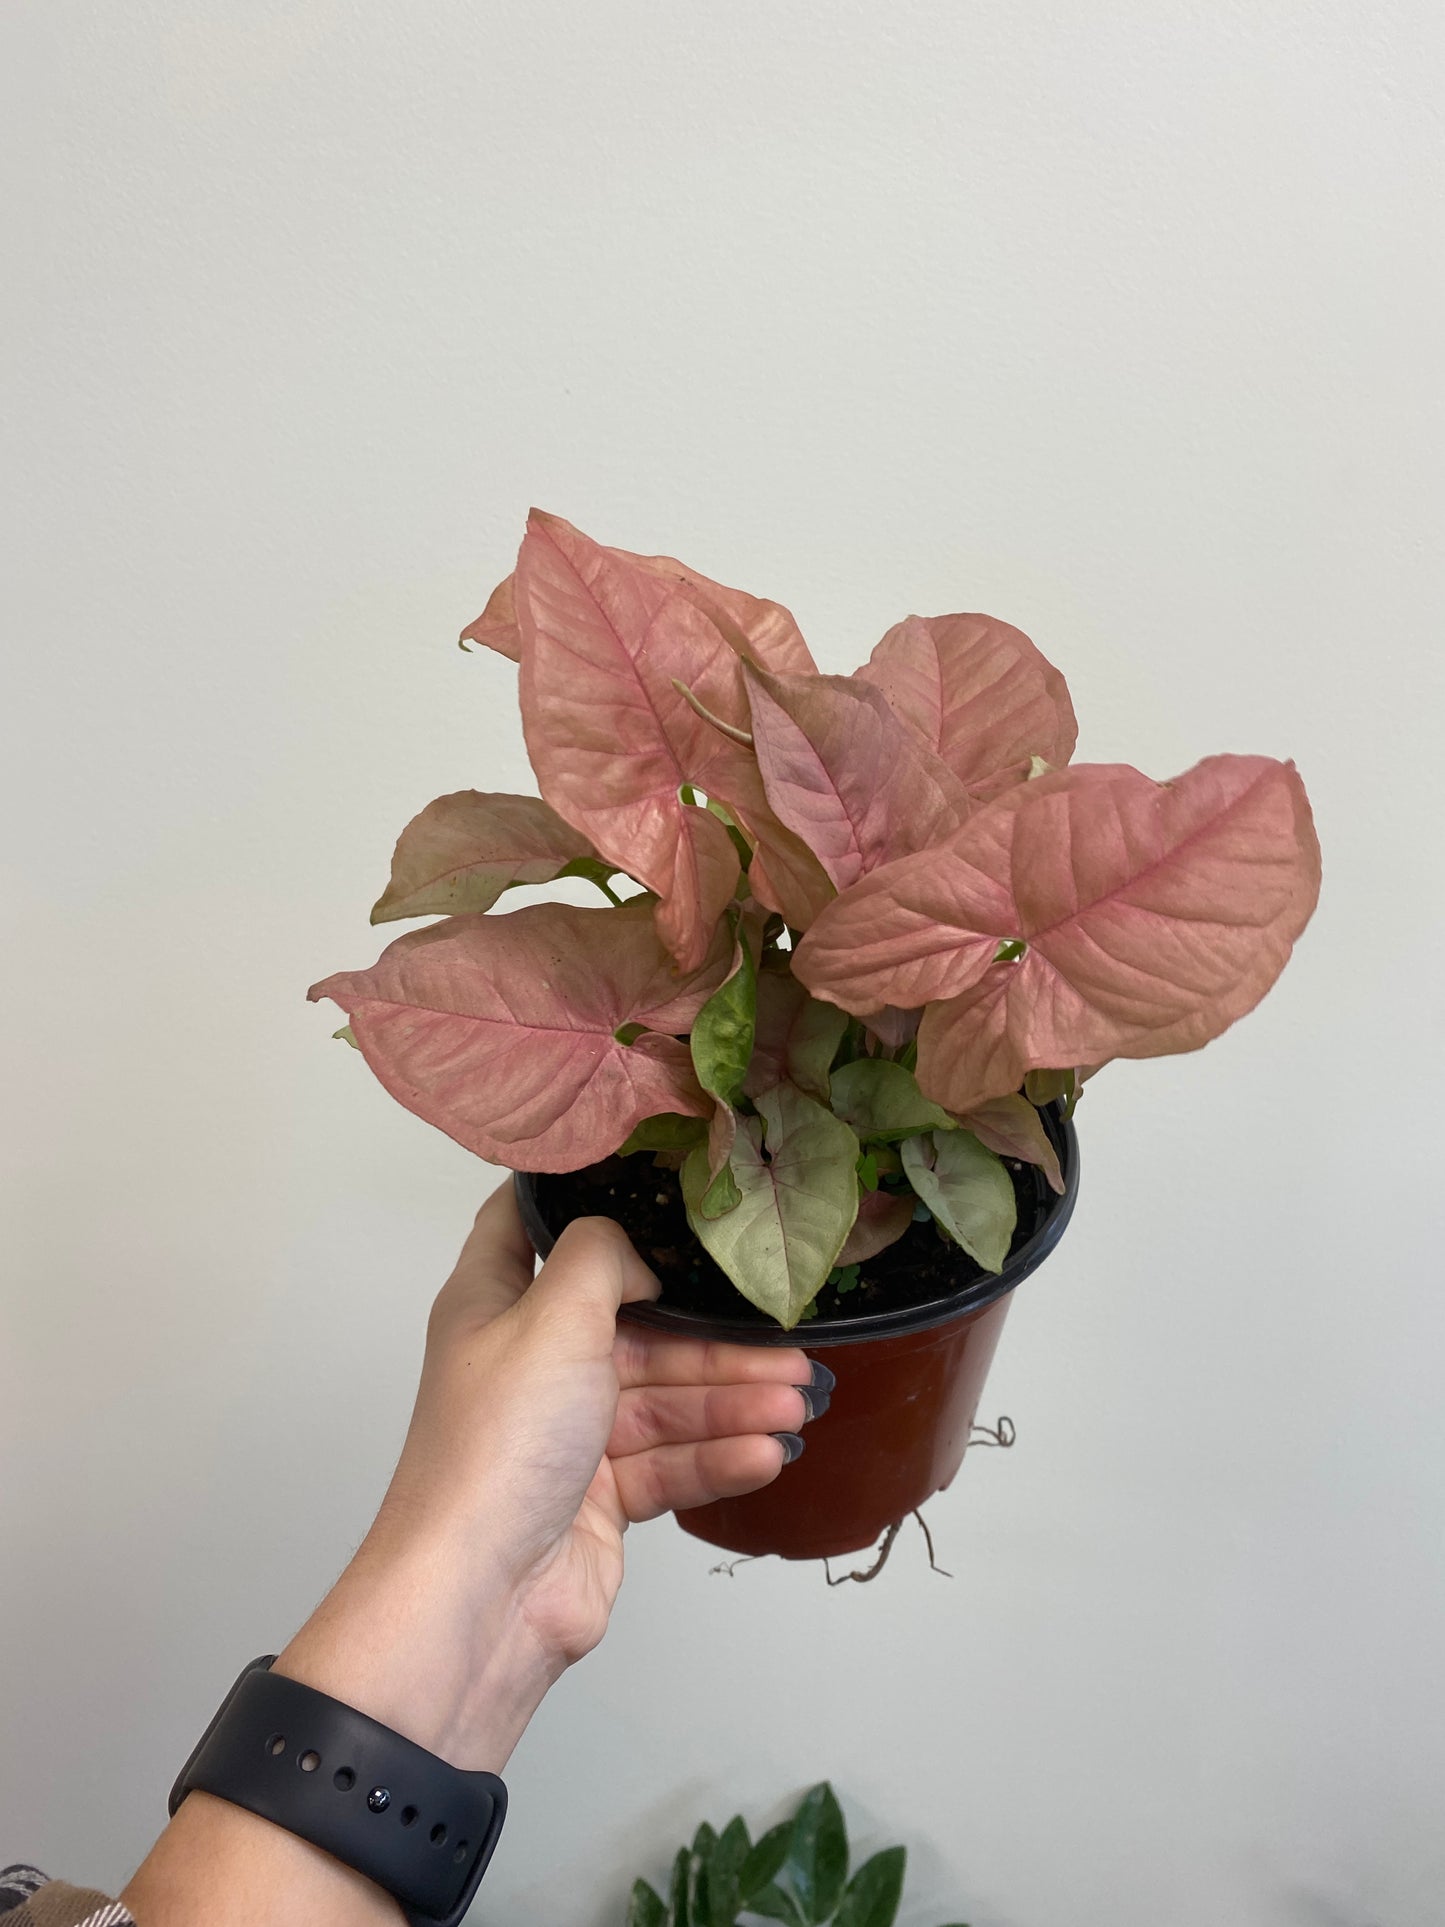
908, 1386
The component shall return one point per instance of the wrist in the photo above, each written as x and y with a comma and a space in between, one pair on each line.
452, 1666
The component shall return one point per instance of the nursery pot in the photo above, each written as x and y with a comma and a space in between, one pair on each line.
907, 1394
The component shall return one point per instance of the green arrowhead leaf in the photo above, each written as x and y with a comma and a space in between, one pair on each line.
722, 1031
968, 1191
797, 1202
881, 1099
648, 1909
762, 1863
817, 1864
666, 1132
346, 1035
874, 1891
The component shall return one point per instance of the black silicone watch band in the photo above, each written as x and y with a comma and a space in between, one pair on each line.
422, 1830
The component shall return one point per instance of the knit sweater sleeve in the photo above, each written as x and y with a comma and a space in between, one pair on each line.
28, 1899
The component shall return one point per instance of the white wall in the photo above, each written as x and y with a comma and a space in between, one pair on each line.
1120, 320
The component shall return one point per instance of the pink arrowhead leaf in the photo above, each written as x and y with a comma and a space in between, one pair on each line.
845, 775
978, 693
1012, 1127
755, 627
464, 850
751, 625
502, 1031
1154, 915
612, 740
895, 939
883, 1217
795, 1039
496, 627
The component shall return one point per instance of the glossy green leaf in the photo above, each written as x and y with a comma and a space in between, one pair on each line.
816, 1868
668, 1131
760, 1867
776, 1903
968, 1191
700, 1881
648, 1909
874, 1891
882, 1100
722, 1033
680, 1913
798, 1197
725, 1881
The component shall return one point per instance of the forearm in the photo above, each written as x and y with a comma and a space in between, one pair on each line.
218, 1864
395, 1640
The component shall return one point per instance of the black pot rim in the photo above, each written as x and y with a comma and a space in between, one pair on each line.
871, 1325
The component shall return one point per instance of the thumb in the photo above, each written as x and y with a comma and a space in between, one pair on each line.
591, 1272
495, 1266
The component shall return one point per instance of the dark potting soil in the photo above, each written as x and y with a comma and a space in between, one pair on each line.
647, 1201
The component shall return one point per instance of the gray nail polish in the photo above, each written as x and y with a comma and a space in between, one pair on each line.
823, 1380
816, 1399
792, 1445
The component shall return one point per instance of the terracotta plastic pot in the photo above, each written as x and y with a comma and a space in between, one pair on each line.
907, 1394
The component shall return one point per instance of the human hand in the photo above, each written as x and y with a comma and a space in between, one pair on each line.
541, 1431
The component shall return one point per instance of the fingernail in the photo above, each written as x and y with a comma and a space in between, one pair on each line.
823, 1380
816, 1399
792, 1446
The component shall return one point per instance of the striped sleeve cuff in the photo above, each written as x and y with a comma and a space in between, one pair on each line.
28, 1899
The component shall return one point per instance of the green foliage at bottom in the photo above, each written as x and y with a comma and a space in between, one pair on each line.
797, 1873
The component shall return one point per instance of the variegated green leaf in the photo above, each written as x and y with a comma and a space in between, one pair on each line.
968, 1191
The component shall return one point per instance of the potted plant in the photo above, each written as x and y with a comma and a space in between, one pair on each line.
864, 939
797, 1872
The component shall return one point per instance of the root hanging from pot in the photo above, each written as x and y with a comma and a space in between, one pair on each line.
928, 1541
730, 1566
1003, 1434
886, 1546
878, 1564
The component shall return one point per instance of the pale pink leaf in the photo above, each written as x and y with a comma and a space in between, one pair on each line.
502, 1030
1012, 1127
897, 936
1154, 916
611, 738
751, 625
464, 850
978, 693
496, 627
755, 627
883, 1217
845, 775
